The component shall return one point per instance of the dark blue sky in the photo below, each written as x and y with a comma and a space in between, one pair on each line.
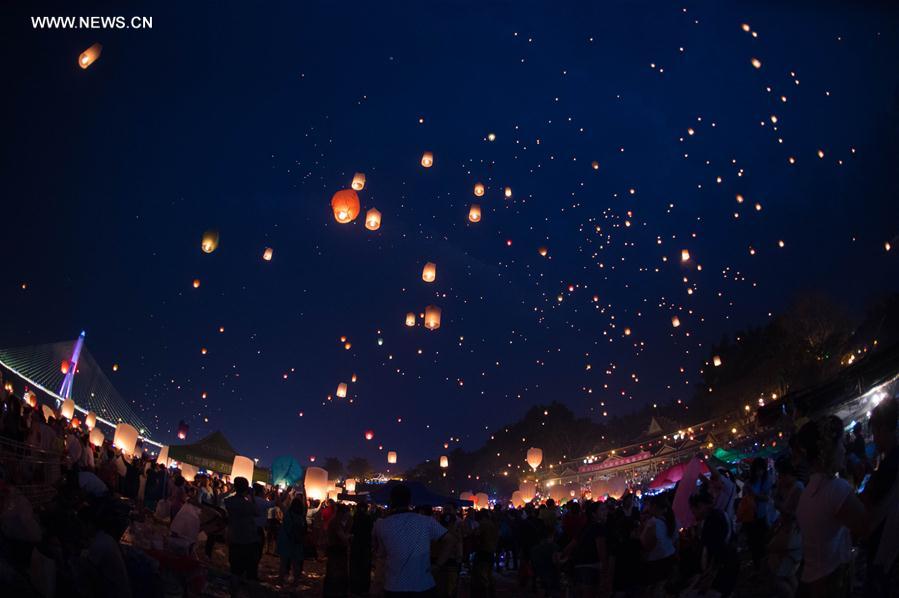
247, 119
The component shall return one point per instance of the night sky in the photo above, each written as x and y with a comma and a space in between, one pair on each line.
246, 119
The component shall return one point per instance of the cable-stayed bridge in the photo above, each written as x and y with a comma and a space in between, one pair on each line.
66, 369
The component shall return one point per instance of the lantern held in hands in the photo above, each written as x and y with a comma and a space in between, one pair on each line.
316, 483
67, 410
125, 438
242, 467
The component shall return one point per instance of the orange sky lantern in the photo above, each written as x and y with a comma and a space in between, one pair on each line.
535, 457
427, 159
210, 241
410, 319
345, 204
474, 213
358, 181
479, 189
267, 254
429, 272
432, 317
373, 219
90, 56
391, 457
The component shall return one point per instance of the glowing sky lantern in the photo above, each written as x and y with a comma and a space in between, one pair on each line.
542, 250
30, 399
96, 437
432, 317
316, 483
267, 254
68, 409
242, 467
479, 189
196, 283
483, 501
358, 182
350, 486
373, 219
391, 457
716, 360
341, 390
125, 438
427, 159
756, 63
444, 461
517, 499
594, 165
91, 420
189, 472
429, 272
675, 321
210, 241
410, 319
684, 255
64, 367
507, 192
467, 496
491, 136
528, 490
474, 213
163, 458
369, 434
535, 457
183, 428
345, 204
90, 56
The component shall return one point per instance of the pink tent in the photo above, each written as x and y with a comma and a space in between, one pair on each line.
673, 475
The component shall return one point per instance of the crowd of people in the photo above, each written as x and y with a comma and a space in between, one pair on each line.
820, 520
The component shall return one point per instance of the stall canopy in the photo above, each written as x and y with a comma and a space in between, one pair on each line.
214, 453
421, 496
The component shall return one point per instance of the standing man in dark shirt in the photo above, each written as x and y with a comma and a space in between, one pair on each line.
879, 489
719, 564
243, 540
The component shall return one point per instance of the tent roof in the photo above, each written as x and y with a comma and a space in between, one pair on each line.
214, 453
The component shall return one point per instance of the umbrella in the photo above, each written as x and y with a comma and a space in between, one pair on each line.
673, 475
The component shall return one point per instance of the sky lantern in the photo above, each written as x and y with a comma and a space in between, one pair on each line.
210, 241
163, 457
756, 63
429, 272
716, 360
432, 317
242, 467
474, 213
267, 254
64, 367
316, 483
91, 420
341, 390
391, 457
68, 409
189, 472
528, 490
535, 457
542, 250
427, 159
373, 219
684, 255
410, 319
90, 56
125, 438
183, 428
675, 321
196, 283
358, 181
482, 500
479, 189
467, 496
96, 437
48, 412
350, 485
507, 192
594, 165
345, 204
491, 136
30, 399
369, 434
517, 499
444, 461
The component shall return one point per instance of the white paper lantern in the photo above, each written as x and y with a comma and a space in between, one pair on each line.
68, 409
125, 438
242, 467
316, 483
